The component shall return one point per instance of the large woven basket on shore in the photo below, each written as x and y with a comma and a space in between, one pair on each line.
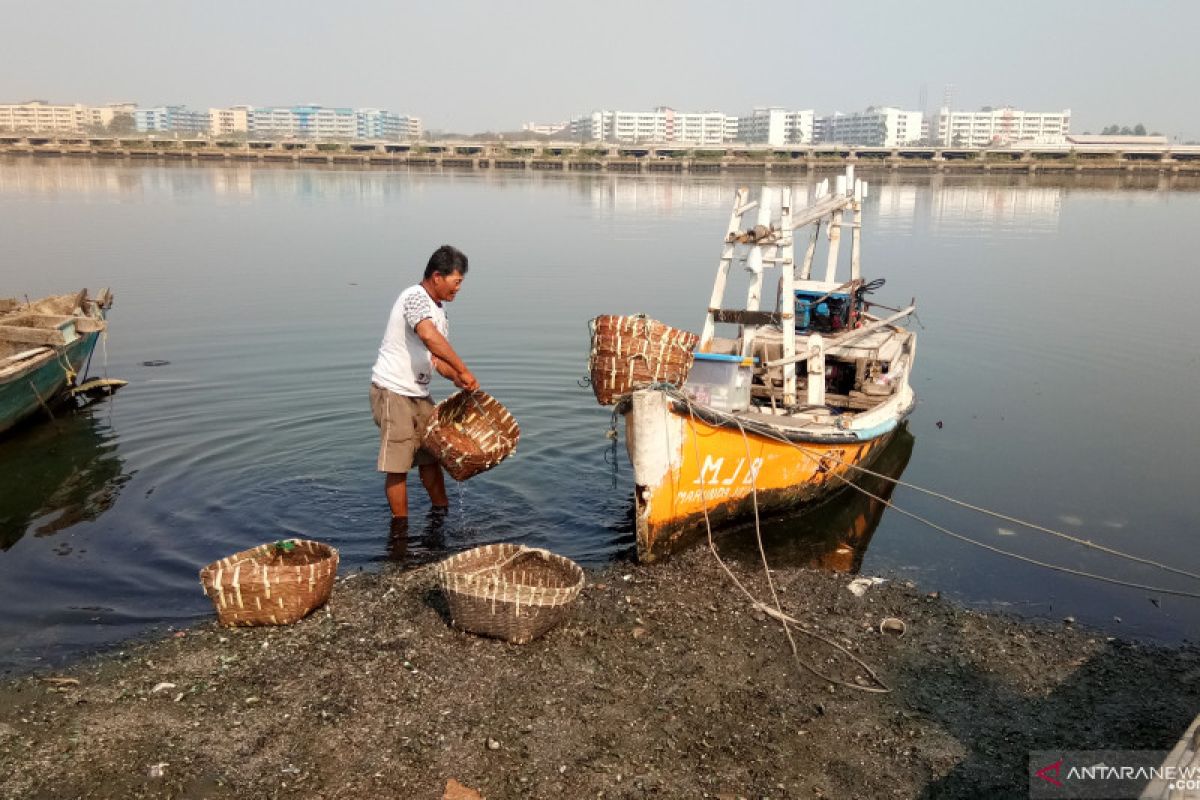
471, 432
509, 591
634, 352
272, 584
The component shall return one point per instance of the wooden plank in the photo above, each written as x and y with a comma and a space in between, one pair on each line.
821, 190
754, 263
787, 298
89, 325
806, 269
835, 223
815, 355
737, 316
24, 354
856, 241
718, 292
819, 210
46, 336
843, 339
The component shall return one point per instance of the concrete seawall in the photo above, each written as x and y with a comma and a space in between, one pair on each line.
575, 157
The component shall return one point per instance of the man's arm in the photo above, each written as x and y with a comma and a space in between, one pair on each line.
444, 369
444, 356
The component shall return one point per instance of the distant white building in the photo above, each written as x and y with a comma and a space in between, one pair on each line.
43, 117
992, 126
170, 119
229, 121
776, 126
1117, 140
878, 126
546, 128
661, 125
304, 122
378, 123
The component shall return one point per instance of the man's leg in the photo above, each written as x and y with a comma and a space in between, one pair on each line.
398, 539
395, 486
435, 484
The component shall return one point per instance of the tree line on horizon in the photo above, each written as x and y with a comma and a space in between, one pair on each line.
1125, 130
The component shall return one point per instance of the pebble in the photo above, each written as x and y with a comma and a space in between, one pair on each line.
492, 744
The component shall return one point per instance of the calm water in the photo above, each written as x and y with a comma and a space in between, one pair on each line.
1057, 352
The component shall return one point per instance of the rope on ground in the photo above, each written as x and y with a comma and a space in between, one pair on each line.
776, 611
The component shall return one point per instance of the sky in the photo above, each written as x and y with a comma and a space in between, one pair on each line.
469, 66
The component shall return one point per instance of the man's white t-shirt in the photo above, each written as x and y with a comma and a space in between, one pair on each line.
404, 365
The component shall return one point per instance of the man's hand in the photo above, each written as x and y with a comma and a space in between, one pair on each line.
465, 380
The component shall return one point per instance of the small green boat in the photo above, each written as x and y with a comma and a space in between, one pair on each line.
44, 345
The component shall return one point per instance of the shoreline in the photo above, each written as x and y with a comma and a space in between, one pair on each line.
664, 682
749, 161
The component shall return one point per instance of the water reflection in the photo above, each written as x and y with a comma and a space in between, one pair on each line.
834, 535
56, 474
1029, 208
1012, 201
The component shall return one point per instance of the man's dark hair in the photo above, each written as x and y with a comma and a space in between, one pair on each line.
445, 261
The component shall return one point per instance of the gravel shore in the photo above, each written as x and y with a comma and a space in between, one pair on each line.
665, 682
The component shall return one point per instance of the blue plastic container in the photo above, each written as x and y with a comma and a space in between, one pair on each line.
720, 381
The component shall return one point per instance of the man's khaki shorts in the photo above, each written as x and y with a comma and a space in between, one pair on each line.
401, 422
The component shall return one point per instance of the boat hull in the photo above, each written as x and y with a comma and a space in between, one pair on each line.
43, 382
688, 465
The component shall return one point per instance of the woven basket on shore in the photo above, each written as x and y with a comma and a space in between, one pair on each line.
470, 432
634, 352
509, 591
272, 584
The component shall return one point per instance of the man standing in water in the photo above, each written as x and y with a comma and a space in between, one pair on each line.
414, 345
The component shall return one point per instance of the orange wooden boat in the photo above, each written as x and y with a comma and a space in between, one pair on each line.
783, 411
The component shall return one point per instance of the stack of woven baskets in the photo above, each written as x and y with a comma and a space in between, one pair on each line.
272, 584
471, 432
509, 591
633, 352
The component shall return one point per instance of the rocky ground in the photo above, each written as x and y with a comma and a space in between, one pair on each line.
664, 683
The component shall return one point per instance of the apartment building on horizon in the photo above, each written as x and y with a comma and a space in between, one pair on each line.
877, 126
547, 128
304, 121
229, 121
312, 121
1004, 125
170, 118
42, 117
770, 125
776, 126
663, 124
